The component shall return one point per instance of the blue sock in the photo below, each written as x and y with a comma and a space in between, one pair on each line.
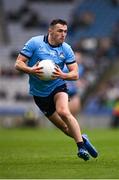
80, 145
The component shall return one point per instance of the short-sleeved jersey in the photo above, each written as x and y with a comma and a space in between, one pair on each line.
38, 49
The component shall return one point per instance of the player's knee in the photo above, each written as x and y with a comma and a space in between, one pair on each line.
63, 113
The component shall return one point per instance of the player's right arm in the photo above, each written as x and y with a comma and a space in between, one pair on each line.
24, 56
21, 65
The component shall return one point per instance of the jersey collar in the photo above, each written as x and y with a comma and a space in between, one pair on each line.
46, 41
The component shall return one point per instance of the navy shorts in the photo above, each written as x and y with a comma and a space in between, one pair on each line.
46, 104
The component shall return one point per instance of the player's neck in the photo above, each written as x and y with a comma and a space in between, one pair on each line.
52, 42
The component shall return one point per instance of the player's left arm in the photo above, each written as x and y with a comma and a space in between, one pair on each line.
71, 65
73, 72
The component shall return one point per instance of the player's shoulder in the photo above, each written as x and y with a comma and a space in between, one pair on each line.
36, 41
37, 38
66, 47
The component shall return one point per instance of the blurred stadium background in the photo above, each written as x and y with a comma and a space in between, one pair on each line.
93, 32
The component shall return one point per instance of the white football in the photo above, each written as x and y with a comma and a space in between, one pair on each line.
48, 69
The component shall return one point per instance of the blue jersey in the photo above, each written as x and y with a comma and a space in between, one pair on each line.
38, 49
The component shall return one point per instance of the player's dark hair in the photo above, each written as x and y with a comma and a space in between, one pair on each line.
58, 21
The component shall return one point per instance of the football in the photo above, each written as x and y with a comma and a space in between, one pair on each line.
48, 69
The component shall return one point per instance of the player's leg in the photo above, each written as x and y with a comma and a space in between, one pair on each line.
62, 108
59, 123
54, 117
75, 104
75, 107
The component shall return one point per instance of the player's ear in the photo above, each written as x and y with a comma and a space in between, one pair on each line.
49, 30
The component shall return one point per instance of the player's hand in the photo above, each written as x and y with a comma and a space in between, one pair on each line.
36, 70
59, 73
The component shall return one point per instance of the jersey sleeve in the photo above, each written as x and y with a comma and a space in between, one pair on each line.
70, 56
28, 48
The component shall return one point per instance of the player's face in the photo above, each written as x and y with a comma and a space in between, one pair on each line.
58, 33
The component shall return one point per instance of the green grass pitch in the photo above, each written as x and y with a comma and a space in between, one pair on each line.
49, 154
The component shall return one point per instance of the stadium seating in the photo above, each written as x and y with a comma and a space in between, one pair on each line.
106, 15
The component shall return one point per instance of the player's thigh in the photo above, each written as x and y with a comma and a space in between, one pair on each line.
61, 101
74, 104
